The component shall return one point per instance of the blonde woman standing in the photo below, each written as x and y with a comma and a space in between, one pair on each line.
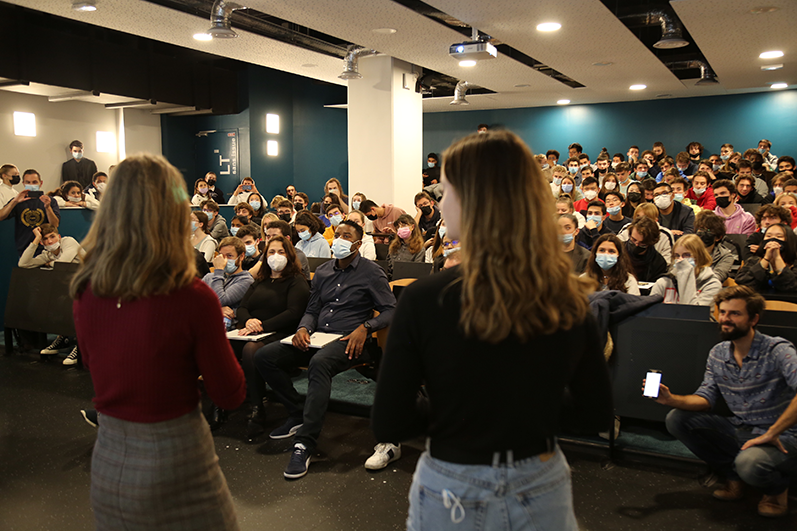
148, 329
510, 321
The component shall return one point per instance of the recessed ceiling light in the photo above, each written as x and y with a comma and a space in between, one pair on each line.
779, 85
771, 55
203, 36
603, 63
309, 65
384, 31
772, 67
78, 5
467, 63
638, 87
549, 26
562, 102
522, 85
762, 10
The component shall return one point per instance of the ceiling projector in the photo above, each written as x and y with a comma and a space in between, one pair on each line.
473, 51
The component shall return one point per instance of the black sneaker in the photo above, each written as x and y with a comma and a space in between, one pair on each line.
288, 429
300, 460
217, 418
256, 423
61, 344
90, 416
71, 359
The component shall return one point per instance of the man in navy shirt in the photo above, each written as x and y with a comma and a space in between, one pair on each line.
344, 293
30, 209
756, 375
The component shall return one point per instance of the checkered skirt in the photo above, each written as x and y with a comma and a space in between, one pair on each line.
159, 476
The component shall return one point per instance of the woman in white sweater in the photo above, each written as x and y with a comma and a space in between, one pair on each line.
690, 279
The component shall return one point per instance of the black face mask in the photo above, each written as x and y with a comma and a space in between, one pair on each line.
15, 179
601, 170
635, 197
372, 217
298, 206
635, 249
706, 236
723, 202
285, 217
211, 182
426, 211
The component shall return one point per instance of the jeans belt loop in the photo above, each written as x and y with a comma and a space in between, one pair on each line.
496, 459
510, 462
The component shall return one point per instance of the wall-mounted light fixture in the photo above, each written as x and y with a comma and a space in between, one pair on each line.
24, 124
272, 148
273, 124
106, 142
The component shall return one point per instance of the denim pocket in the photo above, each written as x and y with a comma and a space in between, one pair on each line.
549, 504
446, 510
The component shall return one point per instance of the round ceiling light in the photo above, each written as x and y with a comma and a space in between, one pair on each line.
779, 85
203, 36
774, 54
562, 102
549, 26
638, 87
467, 63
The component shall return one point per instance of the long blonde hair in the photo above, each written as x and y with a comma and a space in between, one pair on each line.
695, 246
516, 277
129, 255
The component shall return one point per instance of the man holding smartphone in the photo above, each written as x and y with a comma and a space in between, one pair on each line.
31, 208
756, 375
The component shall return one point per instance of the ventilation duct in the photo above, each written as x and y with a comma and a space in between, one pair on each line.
671, 30
459, 93
707, 75
352, 62
220, 26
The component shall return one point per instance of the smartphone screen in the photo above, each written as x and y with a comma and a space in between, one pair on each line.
652, 381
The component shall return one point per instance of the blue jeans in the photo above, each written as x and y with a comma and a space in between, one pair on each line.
527, 494
716, 441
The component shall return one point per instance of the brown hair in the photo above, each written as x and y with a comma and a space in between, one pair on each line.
292, 269
773, 210
310, 221
210, 205
235, 242
648, 228
247, 207
754, 302
46, 229
202, 219
538, 294
618, 275
415, 242
145, 194
247, 230
708, 220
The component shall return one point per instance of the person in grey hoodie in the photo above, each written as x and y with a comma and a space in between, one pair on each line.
690, 279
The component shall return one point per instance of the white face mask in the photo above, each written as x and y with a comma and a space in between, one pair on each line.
277, 262
610, 185
53, 247
663, 202
590, 195
75, 199
101, 186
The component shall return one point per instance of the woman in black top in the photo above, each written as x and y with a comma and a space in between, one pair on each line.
274, 303
772, 266
512, 322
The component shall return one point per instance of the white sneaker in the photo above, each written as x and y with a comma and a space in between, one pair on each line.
72, 358
61, 344
384, 453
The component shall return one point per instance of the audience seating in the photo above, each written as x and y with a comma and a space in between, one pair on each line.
751, 208
381, 251
411, 270
315, 262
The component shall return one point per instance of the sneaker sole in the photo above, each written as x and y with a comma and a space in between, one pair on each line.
50, 352
372, 467
297, 476
87, 419
69, 362
290, 433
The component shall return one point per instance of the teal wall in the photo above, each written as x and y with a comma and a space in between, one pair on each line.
313, 143
741, 120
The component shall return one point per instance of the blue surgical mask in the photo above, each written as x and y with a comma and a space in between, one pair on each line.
210, 215
231, 266
566, 238
442, 232
355, 205
762, 150
305, 235
194, 226
596, 219
567, 188
78, 155
716, 167
642, 174
573, 170
679, 197
335, 220
545, 166
234, 230
447, 252
32, 187
430, 164
255, 205
557, 181
613, 211
250, 250
341, 248
606, 261
584, 165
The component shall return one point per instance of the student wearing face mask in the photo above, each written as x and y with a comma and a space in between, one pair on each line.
690, 279
648, 264
737, 220
635, 196
345, 293
201, 193
217, 225
610, 184
673, 215
615, 220
275, 302
569, 187
766, 216
335, 216
71, 195
594, 227
641, 171
711, 231
78, 168
772, 267
568, 231
258, 207
333, 186
312, 242
229, 280
285, 211
427, 215
407, 246
610, 267
97, 188
701, 193
30, 209
368, 249
431, 173
9, 176
216, 193
200, 239
279, 228
589, 189
252, 240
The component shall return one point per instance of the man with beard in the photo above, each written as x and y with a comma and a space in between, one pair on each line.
756, 375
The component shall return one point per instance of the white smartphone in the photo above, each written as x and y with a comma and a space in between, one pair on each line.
652, 381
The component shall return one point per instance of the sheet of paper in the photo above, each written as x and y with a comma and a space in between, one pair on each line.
233, 334
317, 340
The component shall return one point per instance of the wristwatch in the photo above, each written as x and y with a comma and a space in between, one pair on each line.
367, 326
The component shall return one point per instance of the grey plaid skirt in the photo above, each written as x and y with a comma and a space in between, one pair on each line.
159, 476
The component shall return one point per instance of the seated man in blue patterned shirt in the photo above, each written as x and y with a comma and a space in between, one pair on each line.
344, 293
757, 376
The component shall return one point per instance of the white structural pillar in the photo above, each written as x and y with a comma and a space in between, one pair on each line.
385, 122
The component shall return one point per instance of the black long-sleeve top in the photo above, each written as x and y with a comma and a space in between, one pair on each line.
81, 172
754, 276
279, 304
483, 397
